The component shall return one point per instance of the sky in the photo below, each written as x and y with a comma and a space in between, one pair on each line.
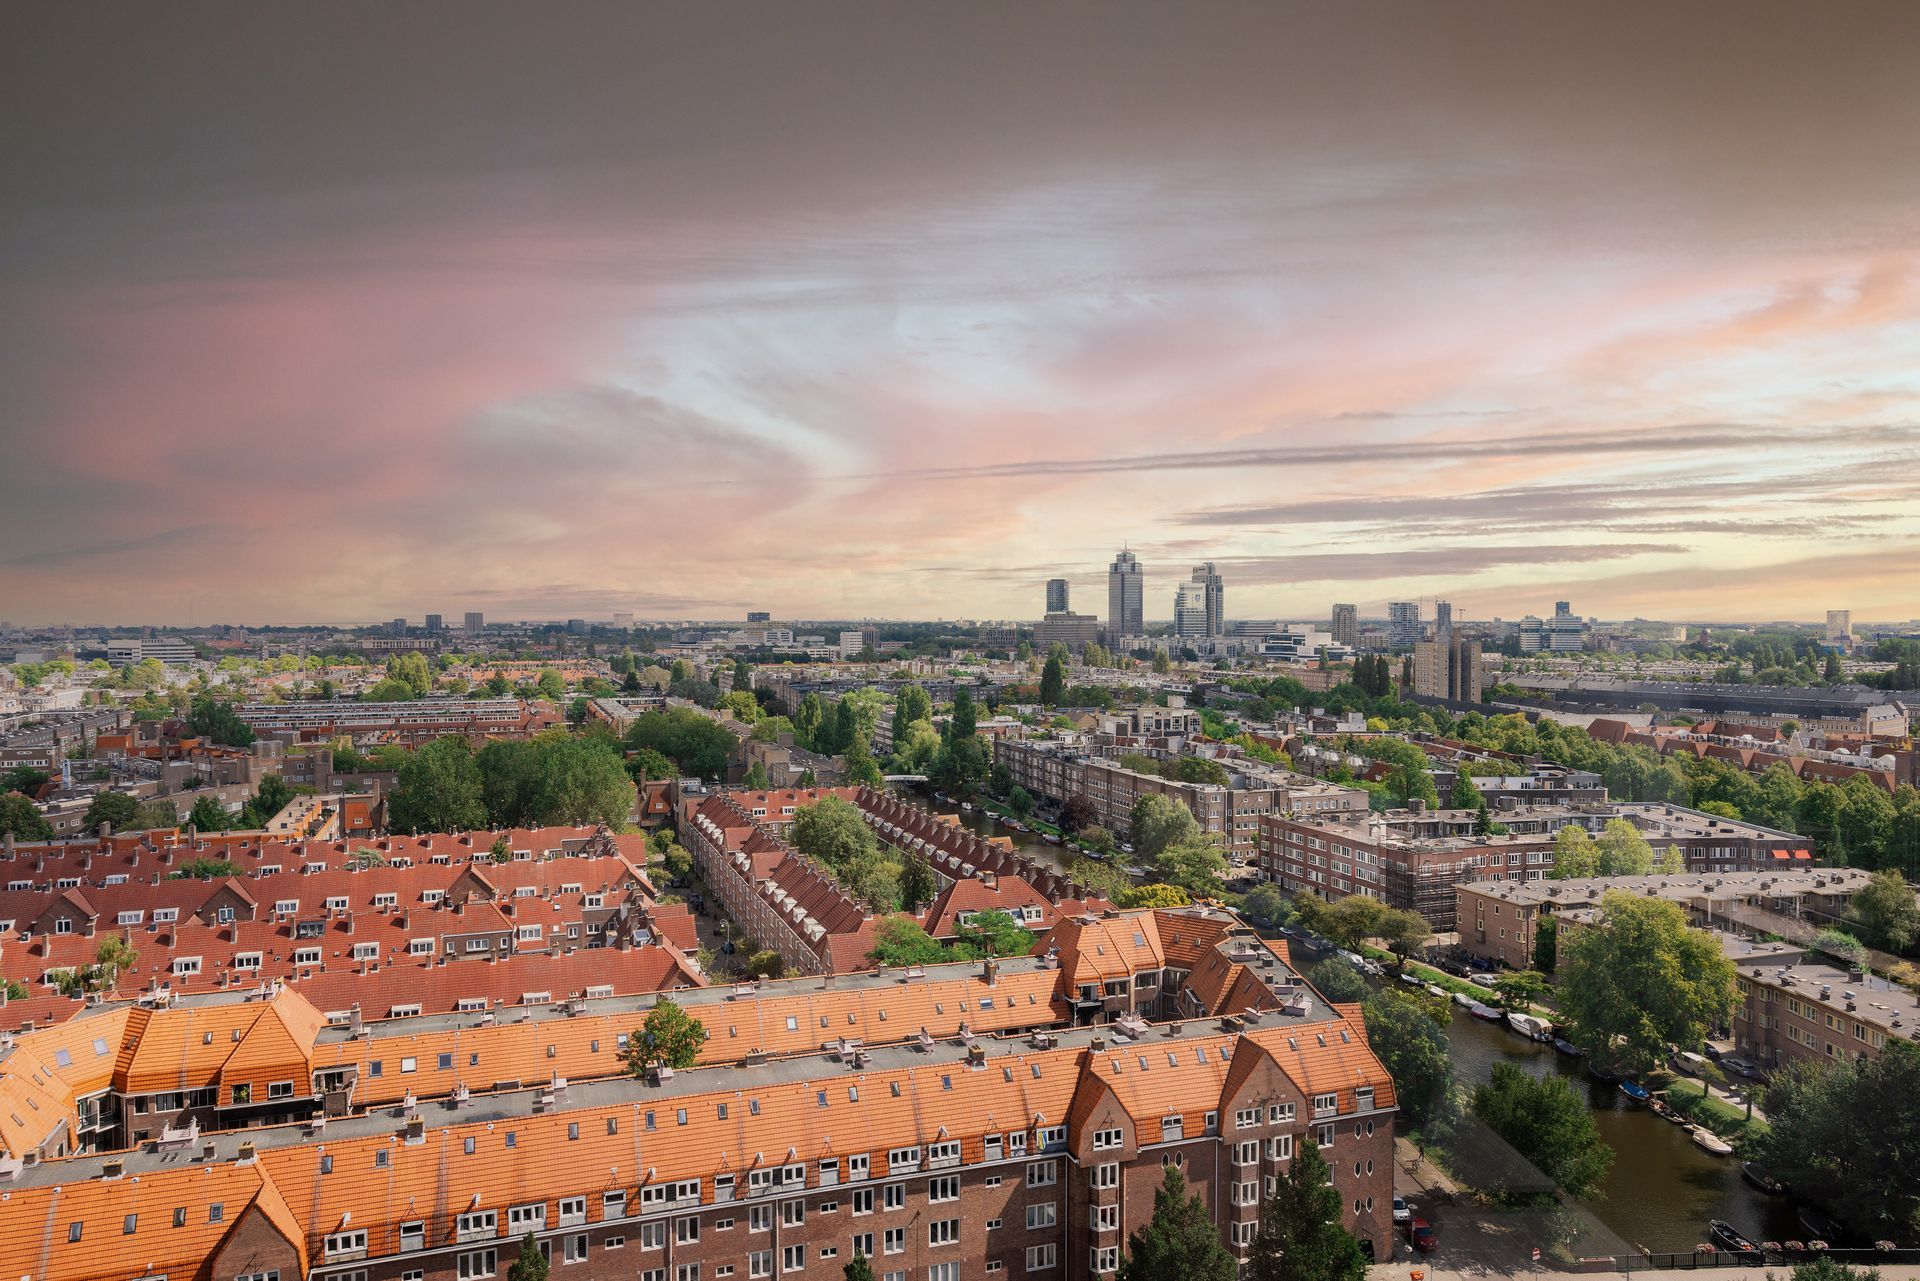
342, 312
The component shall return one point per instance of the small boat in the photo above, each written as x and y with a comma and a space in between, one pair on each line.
1527, 1025
1823, 1228
1051, 838
1674, 1116
1464, 1001
1482, 1011
1635, 1092
1018, 826
1728, 1237
1658, 1106
1707, 1141
1433, 989
1567, 1047
1757, 1176
966, 807
1606, 1076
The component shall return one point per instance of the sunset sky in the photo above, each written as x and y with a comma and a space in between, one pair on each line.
337, 312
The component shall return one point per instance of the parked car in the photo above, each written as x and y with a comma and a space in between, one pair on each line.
1402, 1211
1482, 980
1420, 1235
1739, 1066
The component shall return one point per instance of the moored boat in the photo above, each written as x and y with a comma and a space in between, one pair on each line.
1051, 838
1606, 1076
1464, 1001
1534, 1029
1707, 1141
1825, 1231
1635, 1092
1482, 1011
1567, 1047
1757, 1175
1727, 1237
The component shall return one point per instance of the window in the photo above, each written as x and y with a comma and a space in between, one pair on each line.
1243, 1233
1246, 1118
613, 1204
476, 1225
1103, 1218
477, 1263
1247, 1152
573, 1211
413, 1235
1042, 1257
687, 1272
793, 1213
1280, 1147
686, 1231
1104, 1259
575, 1249
1325, 1104
862, 1245
1107, 1175
894, 1197
341, 1244
526, 1218
1042, 1214
894, 1241
1279, 1112
943, 1232
760, 1218
1324, 1136
653, 1236
793, 1258
944, 1189
1105, 1139
760, 1263
862, 1201
1042, 1174
857, 1166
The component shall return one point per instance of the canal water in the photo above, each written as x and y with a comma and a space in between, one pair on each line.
1662, 1190
977, 820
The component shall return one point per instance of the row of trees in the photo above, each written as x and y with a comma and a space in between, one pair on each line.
553, 778
833, 834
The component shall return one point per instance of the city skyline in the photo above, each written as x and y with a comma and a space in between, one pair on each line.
1620, 319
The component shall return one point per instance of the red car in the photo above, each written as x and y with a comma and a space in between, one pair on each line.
1420, 1233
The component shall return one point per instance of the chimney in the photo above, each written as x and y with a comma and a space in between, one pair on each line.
990, 971
105, 828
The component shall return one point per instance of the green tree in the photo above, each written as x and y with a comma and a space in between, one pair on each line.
1885, 911
995, 934
918, 885
1412, 1046
1549, 1126
1180, 1242
756, 777
1639, 979
1520, 988
857, 1269
1352, 920
270, 796
439, 790
1157, 822
412, 671
668, 1037
1403, 932
874, 879
501, 851
551, 684
650, 763
1153, 894
911, 704
1195, 864
899, 940
219, 722
116, 809
765, 964
1266, 902
1339, 982
831, 831
858, 765
744, 706
205, 868
1465, 796
1301, 1235
1546, 938
962, 724
1622, 850
1840, 1126
699, 745
20, 818
1574, 854
1053, 682
530, 1264
389, 689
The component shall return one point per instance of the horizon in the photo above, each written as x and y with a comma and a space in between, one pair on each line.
854, 310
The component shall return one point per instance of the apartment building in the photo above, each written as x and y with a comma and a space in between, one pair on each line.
409, 724
942, 1156
1497, 919
1809, 1011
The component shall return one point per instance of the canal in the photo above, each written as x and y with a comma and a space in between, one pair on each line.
983, 824
1662, 1190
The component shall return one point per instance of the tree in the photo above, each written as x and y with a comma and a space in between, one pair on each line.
1195, 864
650, 763
551, 684
858, 1269
1840, 1126
1351, 920
899, 940
501, 851
960, 768
1301, 1236
1465, 796
1841, 946
698, 745
765, 964
858, 765
963, 723
1180, 1242
1413, 1048
1521, 988
1156, 894
1078, 813
219, 722
1574, 854
1639, 979
1053, 682
439, 790
207, 868
1019, 801
1546, 938
1157, 822
390, 690
806, 721
995, 934
1339, 982
412, 671
1622, 850
873, 879
669, 1037
269, 798
1403, 932
20, 818
1549, 1126
832, 831
1669, 862
530, 1264
116, 809
910, 704
918, 885
1265, 902
1886, 912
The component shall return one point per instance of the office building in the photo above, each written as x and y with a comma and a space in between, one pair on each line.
759, 616
1190, 610
1561, 634
1839, 624
1057, 596
1562, 608
1075, 631
1303, 645
576, 627
1215, 596
1346, 626
1403, 624
435, 624
475, 621
1448, 668
852, 643
1442, 619
174, 653
623, 620
398, 627
1126, 603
